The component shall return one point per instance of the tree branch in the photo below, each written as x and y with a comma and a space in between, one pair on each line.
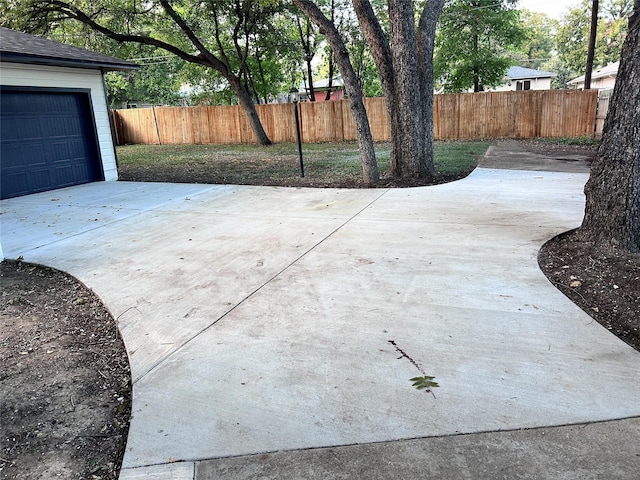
375, 38
71, 12
215, 62
217, 37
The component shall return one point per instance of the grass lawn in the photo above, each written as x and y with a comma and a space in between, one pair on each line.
325, 164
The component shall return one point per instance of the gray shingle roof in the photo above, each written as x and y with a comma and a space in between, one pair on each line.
521, 72
21, 47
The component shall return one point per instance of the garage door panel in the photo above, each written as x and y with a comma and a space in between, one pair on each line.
37, 180
40, 179
48, 141
65, 175
19, 157
33, 155
60, 126
16, 182
59, 152
23, 128
11, 157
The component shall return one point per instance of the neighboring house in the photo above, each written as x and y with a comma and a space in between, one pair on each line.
521, 78
602, 79
55, 129
321, 87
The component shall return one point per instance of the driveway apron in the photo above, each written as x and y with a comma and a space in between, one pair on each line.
261, 319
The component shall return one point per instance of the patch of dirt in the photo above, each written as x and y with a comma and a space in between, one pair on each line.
202, 173
65, 399
66, 388
604, 282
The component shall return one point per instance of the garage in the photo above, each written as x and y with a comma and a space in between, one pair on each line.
55, 129
48, 140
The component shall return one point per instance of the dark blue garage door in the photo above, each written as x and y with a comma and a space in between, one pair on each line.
48, 140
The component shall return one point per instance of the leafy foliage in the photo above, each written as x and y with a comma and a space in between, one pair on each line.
157, 82
538, 46
230, 37
473, 43
573, 33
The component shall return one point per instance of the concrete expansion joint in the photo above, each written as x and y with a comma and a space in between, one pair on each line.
163, 359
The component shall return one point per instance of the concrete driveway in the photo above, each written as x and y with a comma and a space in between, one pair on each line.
263, 319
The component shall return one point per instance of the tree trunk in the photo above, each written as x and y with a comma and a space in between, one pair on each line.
381, 52
327, 96
404, 57
311, 91
612, 214
308, 47
249, 108
426, 44
476, 72
406, 73
352, 86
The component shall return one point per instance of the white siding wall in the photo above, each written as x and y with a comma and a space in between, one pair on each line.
61, 77
603, 83
536, 84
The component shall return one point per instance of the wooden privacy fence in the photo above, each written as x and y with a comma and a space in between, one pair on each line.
525, 114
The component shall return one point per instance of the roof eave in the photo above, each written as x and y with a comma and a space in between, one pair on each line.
61, 62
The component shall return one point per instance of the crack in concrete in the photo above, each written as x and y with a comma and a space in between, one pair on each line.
404, 354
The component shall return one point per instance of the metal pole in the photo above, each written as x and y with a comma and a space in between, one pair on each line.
295, 106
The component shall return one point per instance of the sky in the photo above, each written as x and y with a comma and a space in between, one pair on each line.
553, 8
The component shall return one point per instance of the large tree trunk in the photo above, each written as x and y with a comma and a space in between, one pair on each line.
249, 108
406, 74
352, 86
409, 110
612, 214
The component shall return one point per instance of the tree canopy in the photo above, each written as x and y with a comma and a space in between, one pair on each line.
225, 36
537, 48
475, 43
573, 33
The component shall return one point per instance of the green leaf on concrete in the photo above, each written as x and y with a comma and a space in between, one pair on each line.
424, 383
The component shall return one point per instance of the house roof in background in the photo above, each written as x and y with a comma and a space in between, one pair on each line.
319, 85
610, 70
21, 47
515, 73
324, 83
